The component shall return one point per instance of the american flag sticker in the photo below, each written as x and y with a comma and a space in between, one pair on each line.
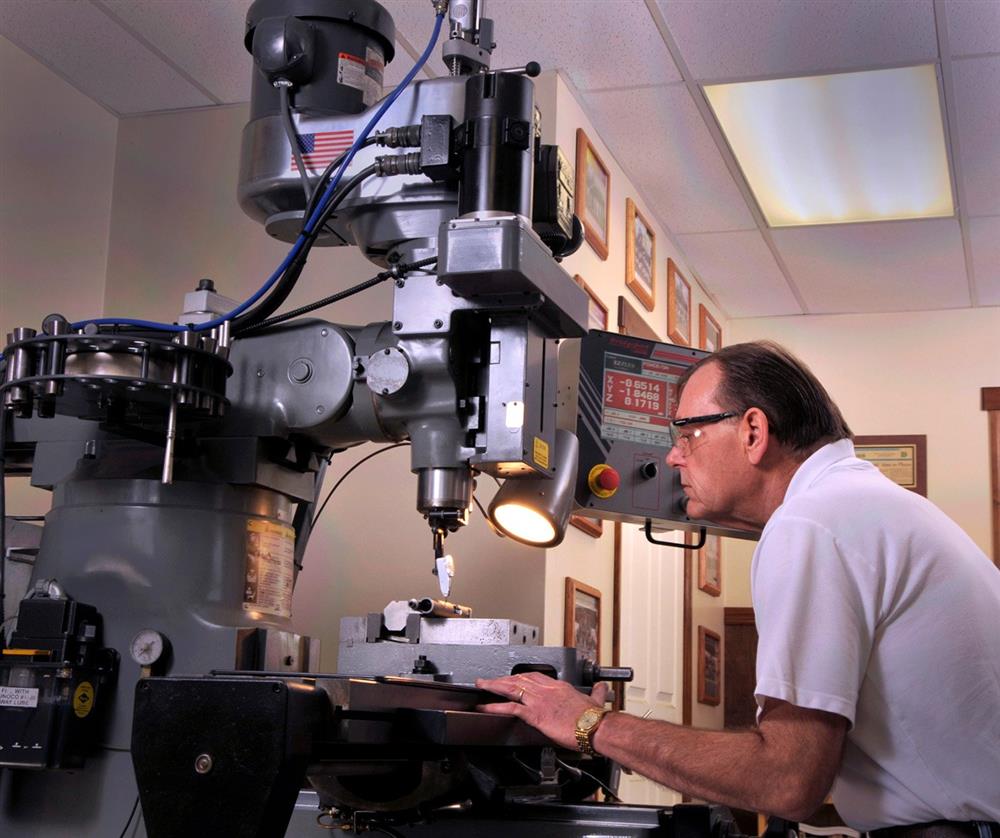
319, 150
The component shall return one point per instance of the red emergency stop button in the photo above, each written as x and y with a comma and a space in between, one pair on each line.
603, 480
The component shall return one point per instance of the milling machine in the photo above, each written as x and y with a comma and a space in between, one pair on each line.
160, 687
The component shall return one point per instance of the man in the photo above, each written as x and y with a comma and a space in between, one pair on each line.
878, 665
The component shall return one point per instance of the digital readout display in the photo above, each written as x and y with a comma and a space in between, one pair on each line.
640, 398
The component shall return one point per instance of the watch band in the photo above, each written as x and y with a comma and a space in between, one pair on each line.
586, 727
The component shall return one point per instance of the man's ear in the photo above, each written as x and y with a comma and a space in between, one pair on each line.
756, 435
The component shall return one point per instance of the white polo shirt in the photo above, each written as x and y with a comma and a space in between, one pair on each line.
871, 603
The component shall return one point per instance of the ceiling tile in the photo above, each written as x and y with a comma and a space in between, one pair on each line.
739, 270
984, 235
884, 266
562, 34
660, 139
973, 26
977, 103
203, 39
729, 40
86, 47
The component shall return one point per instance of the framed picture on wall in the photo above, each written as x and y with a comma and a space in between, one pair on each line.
597, 312
582, 619
678, 306
900, 457
710, 566
594, 527
710, 333
593, 194
709, 667
640, 256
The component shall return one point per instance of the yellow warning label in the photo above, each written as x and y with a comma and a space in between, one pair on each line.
270, 568
541, 452
83, 699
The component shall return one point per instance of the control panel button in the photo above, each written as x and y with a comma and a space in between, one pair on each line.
603, 480
649, 470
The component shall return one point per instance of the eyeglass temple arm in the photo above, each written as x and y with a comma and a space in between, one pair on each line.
697, 546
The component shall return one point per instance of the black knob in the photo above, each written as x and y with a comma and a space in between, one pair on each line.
649, 470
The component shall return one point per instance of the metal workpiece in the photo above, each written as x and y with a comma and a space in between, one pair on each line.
401, 620
499, 261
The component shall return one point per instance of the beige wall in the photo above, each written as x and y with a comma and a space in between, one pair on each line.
580, 556
57, 154
908, 373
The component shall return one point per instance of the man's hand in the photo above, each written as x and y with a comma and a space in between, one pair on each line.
547, 704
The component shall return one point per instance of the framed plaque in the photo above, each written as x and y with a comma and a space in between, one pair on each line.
901, 458
640, 256
678, 306
710, 566
709, 666
593, 194
711, 333
583, 619
597, 312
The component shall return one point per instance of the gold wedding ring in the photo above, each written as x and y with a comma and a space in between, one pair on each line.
520, 696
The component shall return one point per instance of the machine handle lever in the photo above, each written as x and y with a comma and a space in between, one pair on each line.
648, 529
613, 673
531, 69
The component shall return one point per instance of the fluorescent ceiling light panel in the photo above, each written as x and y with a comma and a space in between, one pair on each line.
840, 148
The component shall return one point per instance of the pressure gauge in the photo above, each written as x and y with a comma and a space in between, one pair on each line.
147, 647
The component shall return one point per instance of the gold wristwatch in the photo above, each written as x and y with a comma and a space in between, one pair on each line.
586, 727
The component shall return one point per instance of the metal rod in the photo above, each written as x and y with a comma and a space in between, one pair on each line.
168, 448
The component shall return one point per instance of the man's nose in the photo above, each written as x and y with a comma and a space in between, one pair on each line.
674, 457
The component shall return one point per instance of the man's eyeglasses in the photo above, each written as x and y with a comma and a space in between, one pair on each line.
685, 441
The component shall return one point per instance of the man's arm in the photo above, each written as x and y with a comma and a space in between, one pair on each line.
785, 766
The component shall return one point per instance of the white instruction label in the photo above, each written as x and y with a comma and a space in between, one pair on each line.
267, 584
18, 696
364, 74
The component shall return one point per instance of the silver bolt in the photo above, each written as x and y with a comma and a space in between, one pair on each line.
438, 324
203, 763
324, 332
320, 408
260, 373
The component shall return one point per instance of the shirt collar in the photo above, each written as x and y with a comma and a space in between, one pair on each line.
816, 465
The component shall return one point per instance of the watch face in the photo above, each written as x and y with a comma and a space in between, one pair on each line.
590, 717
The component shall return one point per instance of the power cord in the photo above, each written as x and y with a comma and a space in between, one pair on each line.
284, 88
348, 473
128, 823
382, 276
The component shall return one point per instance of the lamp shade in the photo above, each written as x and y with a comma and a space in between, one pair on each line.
535, 510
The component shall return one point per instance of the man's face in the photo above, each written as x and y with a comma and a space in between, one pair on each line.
712, 472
